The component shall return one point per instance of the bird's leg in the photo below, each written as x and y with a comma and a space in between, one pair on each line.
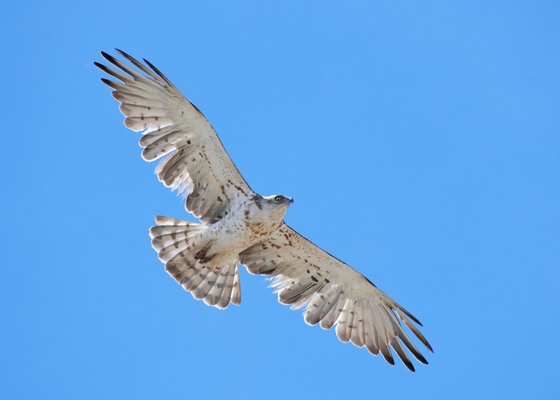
201, 255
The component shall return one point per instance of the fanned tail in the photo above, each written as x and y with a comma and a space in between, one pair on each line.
216, 285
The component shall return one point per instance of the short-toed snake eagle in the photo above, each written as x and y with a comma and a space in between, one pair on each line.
239, 226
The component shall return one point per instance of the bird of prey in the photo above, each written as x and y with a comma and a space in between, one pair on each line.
238, 226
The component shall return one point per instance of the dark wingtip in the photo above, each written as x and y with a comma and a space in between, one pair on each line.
157, 71
103, 68
412, 317
109, 57
122, 53
421, 359
387, 355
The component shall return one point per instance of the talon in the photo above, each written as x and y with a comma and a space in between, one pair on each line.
205, 259
201, 253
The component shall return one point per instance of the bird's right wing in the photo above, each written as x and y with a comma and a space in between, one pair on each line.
173, 127
333, 293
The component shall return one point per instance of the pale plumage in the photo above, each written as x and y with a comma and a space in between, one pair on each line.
332, 292
240, 226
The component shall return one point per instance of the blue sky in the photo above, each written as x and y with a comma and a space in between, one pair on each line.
420, 141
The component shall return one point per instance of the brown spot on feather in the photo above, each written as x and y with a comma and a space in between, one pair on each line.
224, 192
237, 187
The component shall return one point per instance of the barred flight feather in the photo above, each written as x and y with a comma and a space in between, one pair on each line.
173, 126
333, 294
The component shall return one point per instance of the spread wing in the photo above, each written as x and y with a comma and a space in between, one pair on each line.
333, 293
195, 159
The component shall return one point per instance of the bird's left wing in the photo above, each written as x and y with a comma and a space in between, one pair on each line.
333, 293
175, 128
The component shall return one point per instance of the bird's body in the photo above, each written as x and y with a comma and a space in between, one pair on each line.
249, 222
195, 253
239, 226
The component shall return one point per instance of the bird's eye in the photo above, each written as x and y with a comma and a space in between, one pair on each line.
278, 198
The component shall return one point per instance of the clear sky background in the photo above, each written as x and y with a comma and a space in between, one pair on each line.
420, 141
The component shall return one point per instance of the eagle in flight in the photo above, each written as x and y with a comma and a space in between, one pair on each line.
239, 226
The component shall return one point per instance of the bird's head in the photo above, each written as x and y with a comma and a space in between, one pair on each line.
277, 205
278, 200
273, 207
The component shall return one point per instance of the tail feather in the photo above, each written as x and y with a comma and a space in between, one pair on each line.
232, 288
216, 285
204, 288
